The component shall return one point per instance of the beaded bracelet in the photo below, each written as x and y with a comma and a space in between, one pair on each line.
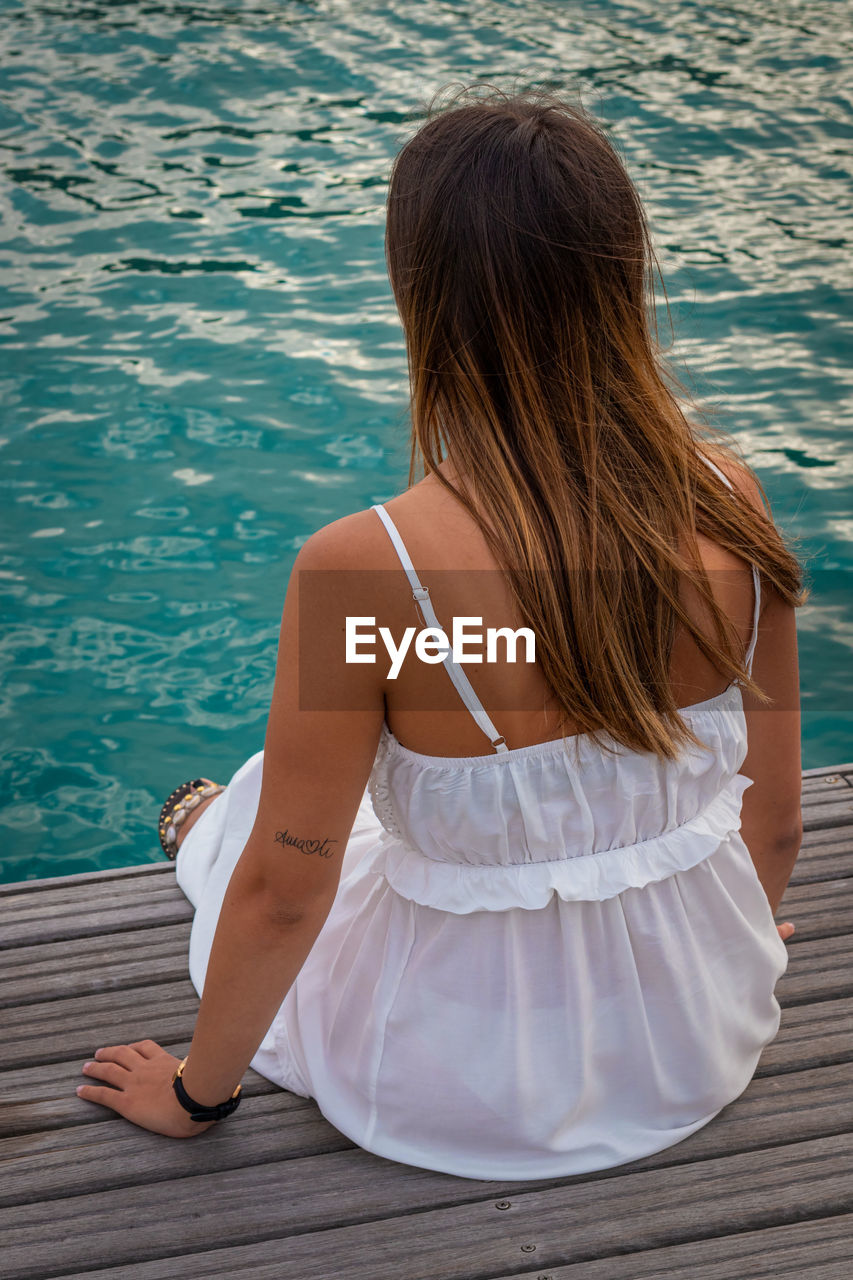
178, 806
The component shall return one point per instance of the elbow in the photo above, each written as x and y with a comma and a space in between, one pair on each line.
281, 914
790, 838
276, 906
775, 839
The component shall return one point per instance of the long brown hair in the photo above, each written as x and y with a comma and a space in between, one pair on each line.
522, 266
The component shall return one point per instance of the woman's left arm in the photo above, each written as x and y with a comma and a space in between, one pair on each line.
322, 734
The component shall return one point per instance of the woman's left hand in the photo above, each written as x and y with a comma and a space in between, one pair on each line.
138, 1085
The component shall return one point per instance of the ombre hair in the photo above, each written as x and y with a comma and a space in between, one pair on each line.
522, 266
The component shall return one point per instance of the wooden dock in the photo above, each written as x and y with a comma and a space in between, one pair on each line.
765, 1190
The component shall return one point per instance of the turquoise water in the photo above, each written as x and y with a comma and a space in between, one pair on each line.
202, 362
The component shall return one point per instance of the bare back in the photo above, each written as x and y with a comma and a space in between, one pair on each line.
452, 557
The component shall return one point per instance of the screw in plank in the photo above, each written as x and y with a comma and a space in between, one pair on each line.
830, 778
503, 1204
528, 1248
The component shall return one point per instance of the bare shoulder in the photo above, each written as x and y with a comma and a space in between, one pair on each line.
356, 541
742, 477
730, 575
431, 522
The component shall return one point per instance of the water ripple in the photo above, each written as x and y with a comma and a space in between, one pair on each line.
204, 361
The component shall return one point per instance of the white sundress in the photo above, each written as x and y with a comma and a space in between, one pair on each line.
538, 963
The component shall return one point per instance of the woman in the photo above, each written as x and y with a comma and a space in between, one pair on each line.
517, 924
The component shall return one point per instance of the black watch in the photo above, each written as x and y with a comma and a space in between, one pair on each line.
196, 1110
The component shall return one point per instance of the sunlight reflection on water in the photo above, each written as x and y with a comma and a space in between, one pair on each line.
200, 336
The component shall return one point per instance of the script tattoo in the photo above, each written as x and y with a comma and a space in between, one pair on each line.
304, 845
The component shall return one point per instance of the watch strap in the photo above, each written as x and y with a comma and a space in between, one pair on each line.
197, 1111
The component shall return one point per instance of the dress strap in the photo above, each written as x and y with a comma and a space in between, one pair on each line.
453, 669
756, 578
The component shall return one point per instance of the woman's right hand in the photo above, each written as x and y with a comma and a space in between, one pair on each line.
785, 930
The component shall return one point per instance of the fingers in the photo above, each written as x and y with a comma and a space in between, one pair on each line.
124, 1054
112, 1098
148, 1048
785, 930
109, 1071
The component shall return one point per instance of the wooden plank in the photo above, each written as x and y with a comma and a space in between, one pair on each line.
464, 1234
134, 913
172, 908
823, 909
51, 1080
797, 1107
40, 1116
34, 1167
837, 812
819, 1250
825, 855
134, 872
833, 791
102, 962
819, 909
42, 1097
838, 776
819, 969
38, 1096
64, 1029
824, 769
69, 899
125, 964
810, 1035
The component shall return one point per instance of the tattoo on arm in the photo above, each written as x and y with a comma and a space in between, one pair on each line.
304, 845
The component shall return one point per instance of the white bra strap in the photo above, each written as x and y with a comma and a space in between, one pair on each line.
453, 669
756, 579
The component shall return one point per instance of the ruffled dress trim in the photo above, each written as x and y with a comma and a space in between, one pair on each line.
462, 888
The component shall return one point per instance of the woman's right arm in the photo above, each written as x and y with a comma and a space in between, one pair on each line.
772, 824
